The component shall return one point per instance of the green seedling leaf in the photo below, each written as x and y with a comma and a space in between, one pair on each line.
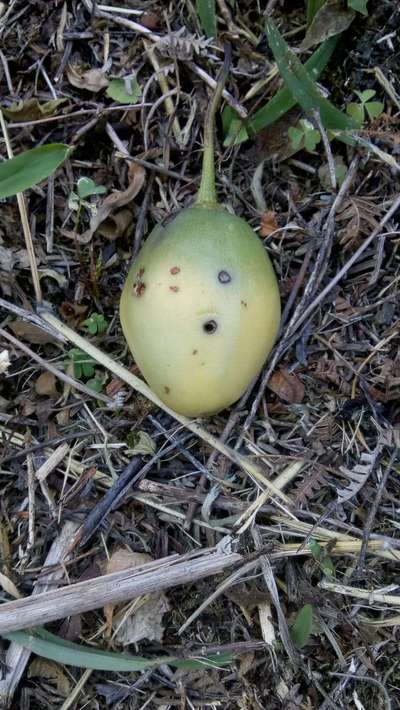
96, 384
304, 135
300, 84
296, 137
374, 108
95, 324
83, 364
56, 649
356, 112
322, 558
359, 6
366, 95
124, 91
87, 187
208, 19
311, 139
281, 103
31, 167
302, 627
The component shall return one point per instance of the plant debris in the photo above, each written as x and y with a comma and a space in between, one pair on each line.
96, 479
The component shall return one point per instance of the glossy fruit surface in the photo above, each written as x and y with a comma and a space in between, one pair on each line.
200, 309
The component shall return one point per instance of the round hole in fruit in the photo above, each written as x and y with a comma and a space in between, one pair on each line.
224, 277
210, 327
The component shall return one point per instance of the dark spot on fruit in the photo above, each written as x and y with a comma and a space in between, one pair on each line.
195, 352
175, 289
139, 288
141, 272
224, 277
210, 327
175, 270
244, 303
167, 390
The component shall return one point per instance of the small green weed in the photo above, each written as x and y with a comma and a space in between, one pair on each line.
304, 135
359, 111
96, 324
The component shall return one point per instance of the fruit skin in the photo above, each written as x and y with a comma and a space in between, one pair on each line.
206, 266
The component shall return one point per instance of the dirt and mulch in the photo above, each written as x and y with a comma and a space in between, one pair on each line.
309, 608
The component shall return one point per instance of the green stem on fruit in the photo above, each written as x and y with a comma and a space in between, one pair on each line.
207, 195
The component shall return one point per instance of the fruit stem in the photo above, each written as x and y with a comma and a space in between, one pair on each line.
207, 194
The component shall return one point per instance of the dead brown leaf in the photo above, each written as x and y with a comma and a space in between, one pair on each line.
31, 109
116, 225
30, 332
268, 223
144, 617
9, 258
287, 386
329, 21
46, 385
8, 585
89, 79
117, 199
44, 668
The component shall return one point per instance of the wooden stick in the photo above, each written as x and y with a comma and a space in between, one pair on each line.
114, 588
17, 657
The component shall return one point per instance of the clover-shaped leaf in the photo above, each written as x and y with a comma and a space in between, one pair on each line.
372, 108
95, 324
304, 135
87, 187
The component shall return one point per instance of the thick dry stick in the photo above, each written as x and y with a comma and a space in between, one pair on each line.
113, 588
17, 657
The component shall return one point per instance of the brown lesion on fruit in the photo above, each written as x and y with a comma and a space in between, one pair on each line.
244, 304
141, 272
167, 390
139, 288
194, 352
174, 270
174, 289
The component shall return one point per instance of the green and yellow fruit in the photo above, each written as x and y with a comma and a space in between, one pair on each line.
200, 308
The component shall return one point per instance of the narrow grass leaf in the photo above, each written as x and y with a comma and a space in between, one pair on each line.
208, 19
54, 648
302, 86
302, 627
359, 6
281, 103
312, 8
31, 167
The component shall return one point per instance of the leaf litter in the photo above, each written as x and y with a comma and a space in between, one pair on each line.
329, 407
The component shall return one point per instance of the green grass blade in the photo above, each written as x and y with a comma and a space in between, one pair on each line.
302, 86
312, 8
282, 102
208, 19
302, 627
54, 648
31, 167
